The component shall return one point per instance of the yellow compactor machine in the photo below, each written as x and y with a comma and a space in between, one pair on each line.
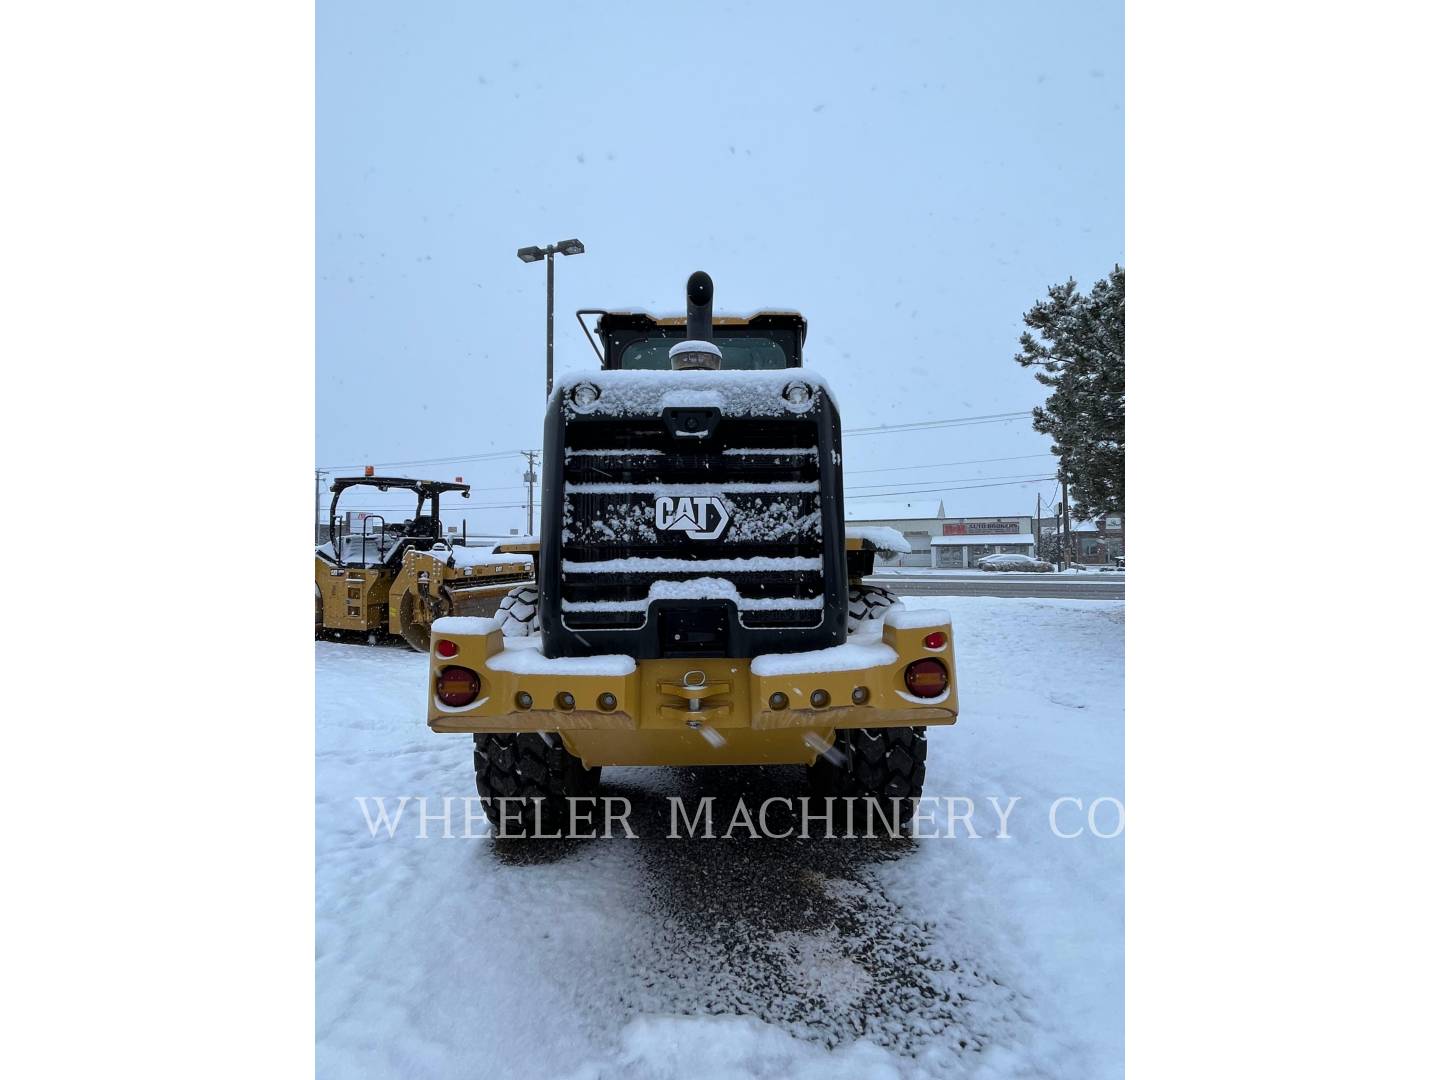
399, 577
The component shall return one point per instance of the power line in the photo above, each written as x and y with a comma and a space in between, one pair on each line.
882, 429
947, 480
944, 464
926, 425
968, 487
425, 461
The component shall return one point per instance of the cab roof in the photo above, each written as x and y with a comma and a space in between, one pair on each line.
385, 483
720, 318
617, 327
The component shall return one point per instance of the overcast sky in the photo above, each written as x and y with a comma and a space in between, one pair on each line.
910, 176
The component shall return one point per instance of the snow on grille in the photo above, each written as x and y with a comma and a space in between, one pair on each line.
641, 565
697, 589
762, 451
682, 490
752, 520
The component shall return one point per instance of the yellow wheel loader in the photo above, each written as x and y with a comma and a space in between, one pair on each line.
699, 599
399, 577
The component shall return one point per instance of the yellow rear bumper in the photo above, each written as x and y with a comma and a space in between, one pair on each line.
692, 712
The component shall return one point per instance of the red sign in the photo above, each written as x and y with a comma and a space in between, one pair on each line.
980, 528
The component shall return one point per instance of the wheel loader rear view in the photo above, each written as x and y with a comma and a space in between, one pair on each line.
399, 577
699, 601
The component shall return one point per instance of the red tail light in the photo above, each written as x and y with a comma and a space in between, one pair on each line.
457, 686
447, 648
927, 678
932, 641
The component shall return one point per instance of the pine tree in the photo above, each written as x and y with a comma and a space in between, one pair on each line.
1080, 352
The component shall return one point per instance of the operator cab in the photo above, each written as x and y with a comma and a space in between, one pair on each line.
637, 341
381, 543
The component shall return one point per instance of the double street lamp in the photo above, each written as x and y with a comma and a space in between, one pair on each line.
535, 254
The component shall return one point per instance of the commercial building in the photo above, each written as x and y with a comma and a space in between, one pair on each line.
964, 541
941, 541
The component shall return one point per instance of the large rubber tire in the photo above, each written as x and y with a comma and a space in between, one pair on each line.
519, 614
319, 613
867, 603
531, 766
872, 767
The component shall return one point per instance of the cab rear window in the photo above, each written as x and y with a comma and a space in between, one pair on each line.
741, 353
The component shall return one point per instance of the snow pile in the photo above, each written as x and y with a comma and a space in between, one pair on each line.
646, 393
522, 656
886, 540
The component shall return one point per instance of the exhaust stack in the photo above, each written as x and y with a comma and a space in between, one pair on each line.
699, 303
699, 351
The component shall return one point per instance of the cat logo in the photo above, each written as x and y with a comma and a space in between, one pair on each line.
700, 517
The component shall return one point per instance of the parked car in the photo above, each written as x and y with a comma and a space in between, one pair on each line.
1014, 563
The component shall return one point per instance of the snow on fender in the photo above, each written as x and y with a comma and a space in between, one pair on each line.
902, 618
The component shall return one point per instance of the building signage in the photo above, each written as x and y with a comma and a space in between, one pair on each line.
980, 528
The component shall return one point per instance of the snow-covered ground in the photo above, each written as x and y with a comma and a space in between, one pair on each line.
654, 957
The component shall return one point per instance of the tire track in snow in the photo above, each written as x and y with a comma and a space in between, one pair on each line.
799, 933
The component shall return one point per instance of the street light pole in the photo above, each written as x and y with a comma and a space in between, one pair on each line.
548, 253
549, 327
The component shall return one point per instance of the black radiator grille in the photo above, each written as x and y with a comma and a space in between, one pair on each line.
766, 474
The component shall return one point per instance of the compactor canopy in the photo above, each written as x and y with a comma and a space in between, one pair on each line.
383, 542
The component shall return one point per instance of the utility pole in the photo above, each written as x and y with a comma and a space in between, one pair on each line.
1065, 510
530, 491
1035, 525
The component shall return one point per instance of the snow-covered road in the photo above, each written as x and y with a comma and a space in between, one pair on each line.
658, 957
